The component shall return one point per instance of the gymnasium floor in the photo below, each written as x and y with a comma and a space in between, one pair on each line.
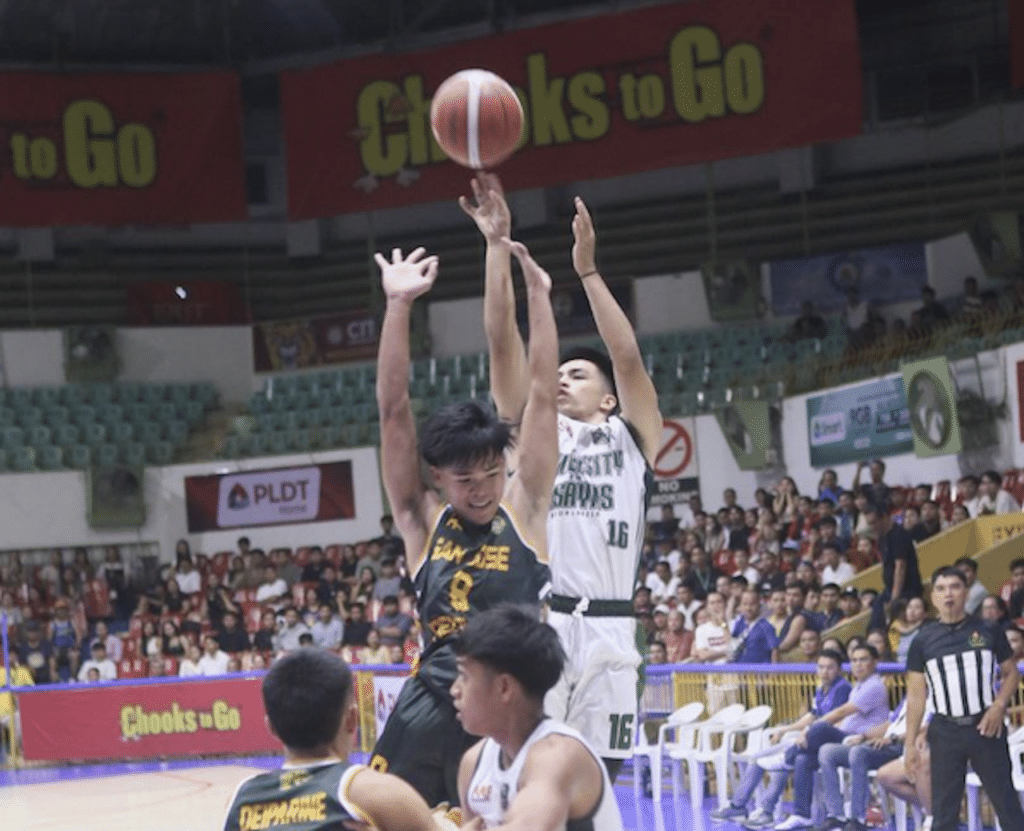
167, 796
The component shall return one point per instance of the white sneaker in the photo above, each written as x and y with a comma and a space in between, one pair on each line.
793, 822
759, 818
926, 823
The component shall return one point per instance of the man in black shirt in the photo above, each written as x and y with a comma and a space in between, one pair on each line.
953, 661
901, 575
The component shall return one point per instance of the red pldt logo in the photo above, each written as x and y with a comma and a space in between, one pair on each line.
238, 498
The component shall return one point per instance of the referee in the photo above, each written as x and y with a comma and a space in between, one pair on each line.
959, 655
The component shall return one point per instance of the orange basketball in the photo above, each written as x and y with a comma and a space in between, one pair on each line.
476, 118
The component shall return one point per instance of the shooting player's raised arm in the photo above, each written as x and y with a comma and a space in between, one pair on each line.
638, 398
411, 503
507, 354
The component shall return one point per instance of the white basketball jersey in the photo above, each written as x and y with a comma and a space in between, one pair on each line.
598, 508
492, 788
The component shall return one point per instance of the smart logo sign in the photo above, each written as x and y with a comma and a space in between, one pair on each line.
269, 497
692, 82
859, 422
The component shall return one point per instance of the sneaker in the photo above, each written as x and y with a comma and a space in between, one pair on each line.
760, 818
926, 823
728, 812
793, 822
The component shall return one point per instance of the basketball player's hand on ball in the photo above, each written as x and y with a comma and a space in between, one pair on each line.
408, 278
585, 242
488, 209
535, 276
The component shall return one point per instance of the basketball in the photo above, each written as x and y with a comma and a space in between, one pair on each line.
476, 118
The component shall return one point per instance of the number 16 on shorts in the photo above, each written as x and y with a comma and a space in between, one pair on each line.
621, 735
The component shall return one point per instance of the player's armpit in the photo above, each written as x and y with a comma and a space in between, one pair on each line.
389, 803
467, 765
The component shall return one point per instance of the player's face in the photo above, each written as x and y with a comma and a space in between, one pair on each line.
474, 491
583, 393
949, 596
473, 695
828, 671
862, 664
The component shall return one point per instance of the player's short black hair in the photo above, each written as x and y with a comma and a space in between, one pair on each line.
948, 571
510, 639
597, 358
867, 647
967, 561
832, 655
463, 434
305, 694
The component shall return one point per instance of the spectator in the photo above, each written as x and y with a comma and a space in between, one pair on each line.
771, 575
976, 592
702, 576
234, 664
310, 607
263, 639
828, 486
65, 639
931, 521
657, 653
659, 623
738, 538
286, 568
106, 669
835, 568
273, 591
329, 586
50, 574
879, 639
236, 578
314, 569
867, 596
327, 630
358, 628
188, 667
232, 637
392, 545
1013, 591
172, 644
846, 518
217, 600
971, 305
174, 601
968, 493
829, 611
188, 576
36, 653
678, 640
389, 582
686, 603
810, 646
156, 667
876, 491
347, 564
287, 638
667, 525
908, 617
901, 575
784, 505
374, 652
306, 639
993, 610
255, 569
932, 313
111, 643
743, 568
712, 643
716, 537
371, 555
994, 500
363, 590
959, 514
214, 661
849, 602
150, 642
1015, 637
661, 583
754, 638
392, 625
796, 621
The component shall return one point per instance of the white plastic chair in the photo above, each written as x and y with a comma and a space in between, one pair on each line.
1016, 742
697, 757
753, 724
896, 817
675, 724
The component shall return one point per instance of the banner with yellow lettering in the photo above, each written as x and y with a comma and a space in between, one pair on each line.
606, 96
117, 149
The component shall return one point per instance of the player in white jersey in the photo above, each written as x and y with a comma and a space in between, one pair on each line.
609, 429
529, 772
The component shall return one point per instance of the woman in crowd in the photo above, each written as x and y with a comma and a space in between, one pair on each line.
362, 592
174, 600
172, 643
994, 610
879, 639
715, 535
150, 642
785, 503
216, 601
347, 565
263, 640
907, 618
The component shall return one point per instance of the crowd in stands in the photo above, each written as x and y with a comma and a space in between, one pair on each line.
760, 583
232, 611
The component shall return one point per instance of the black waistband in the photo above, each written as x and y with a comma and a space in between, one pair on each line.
590, 608
961, 721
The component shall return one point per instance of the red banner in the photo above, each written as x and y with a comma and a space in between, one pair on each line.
193, 303
666, 86
315, 341
120, 149
182, 718
1015, 24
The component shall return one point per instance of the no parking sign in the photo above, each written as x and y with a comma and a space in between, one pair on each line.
675, 466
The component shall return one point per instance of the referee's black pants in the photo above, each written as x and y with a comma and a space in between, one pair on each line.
953, 745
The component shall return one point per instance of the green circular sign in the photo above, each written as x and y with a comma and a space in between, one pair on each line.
931, 409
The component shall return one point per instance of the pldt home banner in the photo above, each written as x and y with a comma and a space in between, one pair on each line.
642, 90
120, 148
314, 493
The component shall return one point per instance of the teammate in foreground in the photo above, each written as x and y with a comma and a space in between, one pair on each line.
311, 709
486, 543
609, 429
530, 772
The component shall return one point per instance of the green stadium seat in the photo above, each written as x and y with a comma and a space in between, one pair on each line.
192, 412
83, 414
22, 459
148, 432
105, 455
121, 432
12, 437
206, 394
94, 434
45, 397
179, 393
154, 393
73, 395
126, 393
19, 397
50, 458
8, 417
28, 416
80, 456
177, 433
301, 440
257, 444
166, 412
39, 435
56, 415
66, 435
160, 453
328, 435
133, 453
110, 412
100, 394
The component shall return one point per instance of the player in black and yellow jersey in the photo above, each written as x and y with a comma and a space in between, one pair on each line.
482, 541
311, 709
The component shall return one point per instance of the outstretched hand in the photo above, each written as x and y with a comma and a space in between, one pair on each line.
408, 278
585, 240
532, 271
488, 209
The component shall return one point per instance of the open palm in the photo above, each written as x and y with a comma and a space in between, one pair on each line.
488, 209
407, 278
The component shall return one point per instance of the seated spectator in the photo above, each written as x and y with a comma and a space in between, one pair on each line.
370, 556
105, 668
743, 568
306, 639
867, 597
255, 569
702, 576
357, 627
188, 667
236, 577
666, 527
213, 661
149, 641
155, 667
810, 646
174, 601
232, 637
389, 582
932, 313
65, 639
971, 305
287, 637
976, 592
849, 602
659, 622
828, 486
994, 500
908, 616
879, 639
835, 568
829, 611
832, 693
234, 664
994, 611
865, 553
807, 576
347, 565
314, 569
657, 653
263, 639
678, 640
1015, 637
835, 645
111, 643
287, 570
396, 655
931, 521
362, 592
188, 576
754, 638
968, 489
716, 536
216, 601
172, 643
893, 779
272, 591
329, 586
374, 652
797, 619
661, 583
738, 538
327, 630
310, 607
876, 492
1013, 590
686, 603
772, 577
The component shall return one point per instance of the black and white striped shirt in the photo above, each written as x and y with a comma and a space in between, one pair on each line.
960, 661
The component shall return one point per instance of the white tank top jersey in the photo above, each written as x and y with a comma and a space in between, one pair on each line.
598, 510
492, 788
